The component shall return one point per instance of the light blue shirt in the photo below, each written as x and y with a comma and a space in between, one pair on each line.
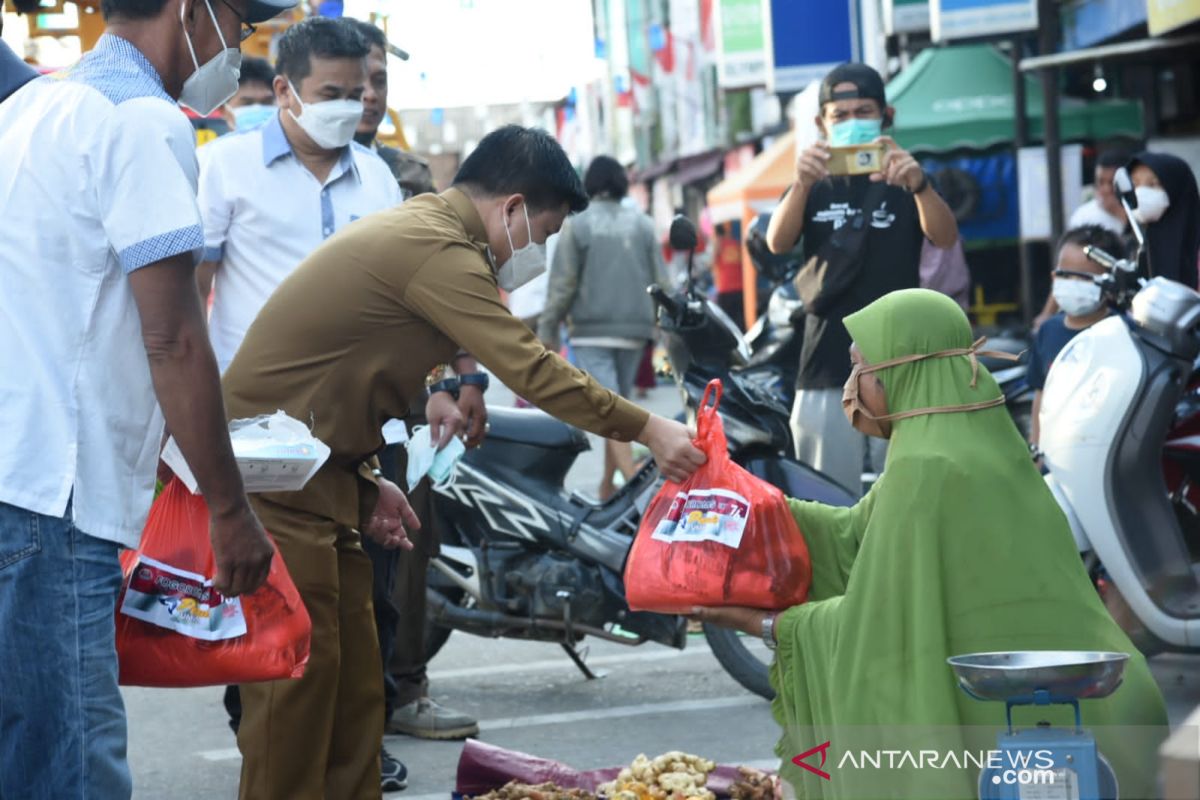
264, 212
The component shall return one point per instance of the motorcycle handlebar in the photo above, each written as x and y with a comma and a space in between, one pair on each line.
1109, 262
659, 296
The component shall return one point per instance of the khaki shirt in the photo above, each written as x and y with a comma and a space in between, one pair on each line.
345, 342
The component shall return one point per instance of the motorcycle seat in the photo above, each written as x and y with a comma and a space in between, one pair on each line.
533, 427
1004, 344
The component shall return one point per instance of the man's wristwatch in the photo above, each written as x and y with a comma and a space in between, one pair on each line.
479, 379
441, 379
768, 633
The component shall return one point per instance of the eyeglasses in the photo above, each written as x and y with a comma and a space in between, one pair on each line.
247, 30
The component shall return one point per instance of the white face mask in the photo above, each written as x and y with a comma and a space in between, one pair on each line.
1077, 297
1152, 204
523, 265
424, 459
247, 118
214, 82
329, 123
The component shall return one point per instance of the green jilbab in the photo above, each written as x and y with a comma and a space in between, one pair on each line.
959, 548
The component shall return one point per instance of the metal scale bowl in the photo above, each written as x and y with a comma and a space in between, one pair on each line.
1041, 678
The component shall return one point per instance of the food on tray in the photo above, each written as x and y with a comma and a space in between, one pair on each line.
515, 790
755, 785
671, 776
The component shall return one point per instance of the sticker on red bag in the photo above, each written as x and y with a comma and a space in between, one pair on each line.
181, 601
705, 515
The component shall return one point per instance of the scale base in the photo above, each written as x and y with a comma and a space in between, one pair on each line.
1048, 764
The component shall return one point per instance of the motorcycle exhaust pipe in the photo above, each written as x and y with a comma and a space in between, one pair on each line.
496, 624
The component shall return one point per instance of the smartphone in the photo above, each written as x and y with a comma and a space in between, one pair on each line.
857, 159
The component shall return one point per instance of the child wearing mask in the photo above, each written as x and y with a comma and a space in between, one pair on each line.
1169, 210
1079, 299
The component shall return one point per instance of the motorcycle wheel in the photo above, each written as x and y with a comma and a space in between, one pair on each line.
742, 664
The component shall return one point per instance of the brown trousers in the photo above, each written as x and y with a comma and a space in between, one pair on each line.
318, 737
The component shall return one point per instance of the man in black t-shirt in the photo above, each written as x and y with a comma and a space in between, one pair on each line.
901, 210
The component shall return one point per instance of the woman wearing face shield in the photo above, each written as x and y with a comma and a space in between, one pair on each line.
959, 548
1169, 212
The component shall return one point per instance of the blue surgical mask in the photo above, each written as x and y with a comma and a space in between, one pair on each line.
424, 459
247, 118
855, 131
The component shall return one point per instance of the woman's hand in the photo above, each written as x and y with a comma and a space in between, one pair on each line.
746, 620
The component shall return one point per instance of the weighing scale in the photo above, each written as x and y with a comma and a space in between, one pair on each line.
1043, 762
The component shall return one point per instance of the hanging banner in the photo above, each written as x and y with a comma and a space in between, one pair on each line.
1167, 15
807, 40
741, 44
965, 19
905, 16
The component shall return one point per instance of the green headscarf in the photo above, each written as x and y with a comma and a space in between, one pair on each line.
959, 548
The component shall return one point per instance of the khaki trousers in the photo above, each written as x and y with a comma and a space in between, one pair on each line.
319, 737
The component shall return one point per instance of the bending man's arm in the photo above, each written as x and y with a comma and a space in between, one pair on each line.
455, 295
787, 223
188, 387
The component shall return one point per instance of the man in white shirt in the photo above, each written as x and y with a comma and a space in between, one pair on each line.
269, 197
98, 316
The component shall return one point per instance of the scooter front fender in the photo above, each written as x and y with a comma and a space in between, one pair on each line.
1082, 543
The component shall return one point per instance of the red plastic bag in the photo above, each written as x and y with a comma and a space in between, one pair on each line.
174, 629
721, 538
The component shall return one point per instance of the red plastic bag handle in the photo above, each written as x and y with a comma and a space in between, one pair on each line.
713, 386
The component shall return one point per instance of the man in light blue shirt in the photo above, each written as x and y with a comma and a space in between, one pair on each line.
270, 196
101, 325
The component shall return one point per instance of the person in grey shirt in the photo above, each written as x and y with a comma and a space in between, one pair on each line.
605, 258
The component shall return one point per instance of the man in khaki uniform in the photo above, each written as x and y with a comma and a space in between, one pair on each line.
346, 343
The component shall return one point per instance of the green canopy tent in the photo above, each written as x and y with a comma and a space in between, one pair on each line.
954, 98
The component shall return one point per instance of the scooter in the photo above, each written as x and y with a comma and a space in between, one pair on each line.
1121, 402
522, 558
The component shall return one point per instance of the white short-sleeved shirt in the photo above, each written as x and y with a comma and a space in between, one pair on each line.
264, 212
97, 179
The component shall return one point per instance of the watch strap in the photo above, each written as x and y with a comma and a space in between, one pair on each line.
479, 379
445, 385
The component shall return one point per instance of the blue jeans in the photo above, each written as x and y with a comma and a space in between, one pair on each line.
61, 712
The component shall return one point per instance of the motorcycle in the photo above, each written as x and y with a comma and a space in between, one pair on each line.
522, 558
1119, 419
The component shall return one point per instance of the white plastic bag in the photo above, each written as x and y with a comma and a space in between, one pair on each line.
274, 453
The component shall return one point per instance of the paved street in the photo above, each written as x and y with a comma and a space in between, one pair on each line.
528, 697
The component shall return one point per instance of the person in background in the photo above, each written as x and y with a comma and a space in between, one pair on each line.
14, 73
1104, 210
400, 575
902, 211
1080, 301
727, 273
253, 104
944, 269
270, 196
1169, 210
104, 337
605, 259
410, 170
367, 324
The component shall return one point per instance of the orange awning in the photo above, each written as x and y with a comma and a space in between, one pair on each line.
758, 186
752, 190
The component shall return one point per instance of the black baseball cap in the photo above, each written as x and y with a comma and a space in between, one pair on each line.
868, 85
262, 10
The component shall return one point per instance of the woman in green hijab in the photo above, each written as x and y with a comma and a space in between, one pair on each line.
959, 548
